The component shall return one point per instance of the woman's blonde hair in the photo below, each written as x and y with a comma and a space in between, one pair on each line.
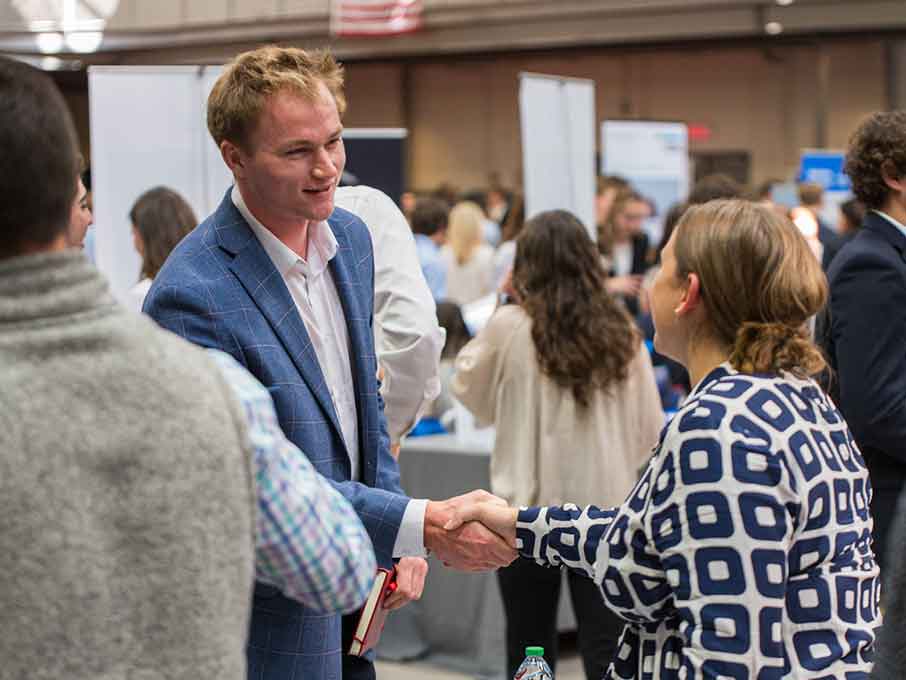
252, 77
465, 230
760, 283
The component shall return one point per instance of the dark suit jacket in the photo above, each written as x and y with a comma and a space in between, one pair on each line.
866, 340
220, 289
831, 241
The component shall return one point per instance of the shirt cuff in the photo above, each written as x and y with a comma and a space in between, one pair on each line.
410, 540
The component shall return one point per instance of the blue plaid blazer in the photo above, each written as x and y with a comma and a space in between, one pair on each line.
220, 289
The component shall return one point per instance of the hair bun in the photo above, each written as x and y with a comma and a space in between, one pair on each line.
770, 347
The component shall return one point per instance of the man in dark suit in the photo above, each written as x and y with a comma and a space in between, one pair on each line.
284, 283
866, 333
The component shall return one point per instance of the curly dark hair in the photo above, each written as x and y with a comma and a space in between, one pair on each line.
878, 143
584, 339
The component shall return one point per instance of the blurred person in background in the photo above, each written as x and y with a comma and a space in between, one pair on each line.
811, 198
80, 216
743, 551
606, 189
498, 201
714, 187
506, 251
567, 382
429, 224
490, 228
624, 244
677, 376
866, 324
407, 204
160, 219
469, 260
407, 337
852, 215
808, 226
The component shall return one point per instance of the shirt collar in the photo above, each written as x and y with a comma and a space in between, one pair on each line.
898, 225
322, 244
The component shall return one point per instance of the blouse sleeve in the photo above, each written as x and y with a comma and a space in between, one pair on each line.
478, 366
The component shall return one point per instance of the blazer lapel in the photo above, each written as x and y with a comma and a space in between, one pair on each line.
346, 278
265, 286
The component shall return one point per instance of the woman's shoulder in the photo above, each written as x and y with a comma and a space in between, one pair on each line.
780, 400
507, 321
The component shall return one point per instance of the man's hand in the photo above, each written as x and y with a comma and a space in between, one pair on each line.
501, 519
410, 582
469, 546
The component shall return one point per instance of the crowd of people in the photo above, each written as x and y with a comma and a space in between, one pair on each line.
201, 479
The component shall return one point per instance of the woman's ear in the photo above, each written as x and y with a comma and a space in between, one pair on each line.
691, 298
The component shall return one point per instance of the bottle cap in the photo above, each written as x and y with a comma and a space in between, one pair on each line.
534, 651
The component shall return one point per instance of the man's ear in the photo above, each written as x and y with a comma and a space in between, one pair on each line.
894, 180
692, 297
233, 157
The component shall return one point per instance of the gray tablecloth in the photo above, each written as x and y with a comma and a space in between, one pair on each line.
459, 622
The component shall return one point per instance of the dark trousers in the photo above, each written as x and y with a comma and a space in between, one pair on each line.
355, 667
531, 595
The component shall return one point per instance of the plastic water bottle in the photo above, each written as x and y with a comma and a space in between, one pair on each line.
534, 667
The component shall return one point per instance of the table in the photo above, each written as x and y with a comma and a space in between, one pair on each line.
459, 621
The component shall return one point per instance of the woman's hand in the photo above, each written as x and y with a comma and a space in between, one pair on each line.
499, 518
629, 285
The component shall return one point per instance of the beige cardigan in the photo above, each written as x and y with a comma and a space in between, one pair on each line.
548, 450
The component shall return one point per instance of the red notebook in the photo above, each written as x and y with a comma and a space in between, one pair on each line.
371, 622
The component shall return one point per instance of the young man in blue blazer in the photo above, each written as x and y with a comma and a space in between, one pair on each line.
284, 282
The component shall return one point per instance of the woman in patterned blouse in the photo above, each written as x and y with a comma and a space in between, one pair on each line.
743, 553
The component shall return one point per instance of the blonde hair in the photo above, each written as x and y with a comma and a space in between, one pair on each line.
465, 228
760, 284
252, 77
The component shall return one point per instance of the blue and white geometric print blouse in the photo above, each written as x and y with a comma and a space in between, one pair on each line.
744, 552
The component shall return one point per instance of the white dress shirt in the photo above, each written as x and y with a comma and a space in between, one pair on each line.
318, 302
407, 336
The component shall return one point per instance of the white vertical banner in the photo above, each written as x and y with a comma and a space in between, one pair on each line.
147, 130
654, 157
557, 118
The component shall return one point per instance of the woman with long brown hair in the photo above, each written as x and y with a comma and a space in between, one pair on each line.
160, 220
566, 380
744, 551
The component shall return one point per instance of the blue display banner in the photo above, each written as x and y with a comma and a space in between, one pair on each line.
824, 168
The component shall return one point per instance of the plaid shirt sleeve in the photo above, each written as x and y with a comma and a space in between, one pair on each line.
309, 541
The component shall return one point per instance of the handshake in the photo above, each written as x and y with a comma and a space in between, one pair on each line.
472, 532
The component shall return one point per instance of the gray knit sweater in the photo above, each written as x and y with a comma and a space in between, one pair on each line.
126, 490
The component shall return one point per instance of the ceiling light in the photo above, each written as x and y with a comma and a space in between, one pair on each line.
51, 63
49, 43
773, 28
84, 41
784, 3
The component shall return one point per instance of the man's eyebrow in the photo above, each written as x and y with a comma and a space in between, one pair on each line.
307, 142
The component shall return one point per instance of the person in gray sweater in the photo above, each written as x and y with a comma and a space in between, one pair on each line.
138, 473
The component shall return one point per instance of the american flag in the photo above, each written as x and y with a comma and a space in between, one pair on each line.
367, 18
